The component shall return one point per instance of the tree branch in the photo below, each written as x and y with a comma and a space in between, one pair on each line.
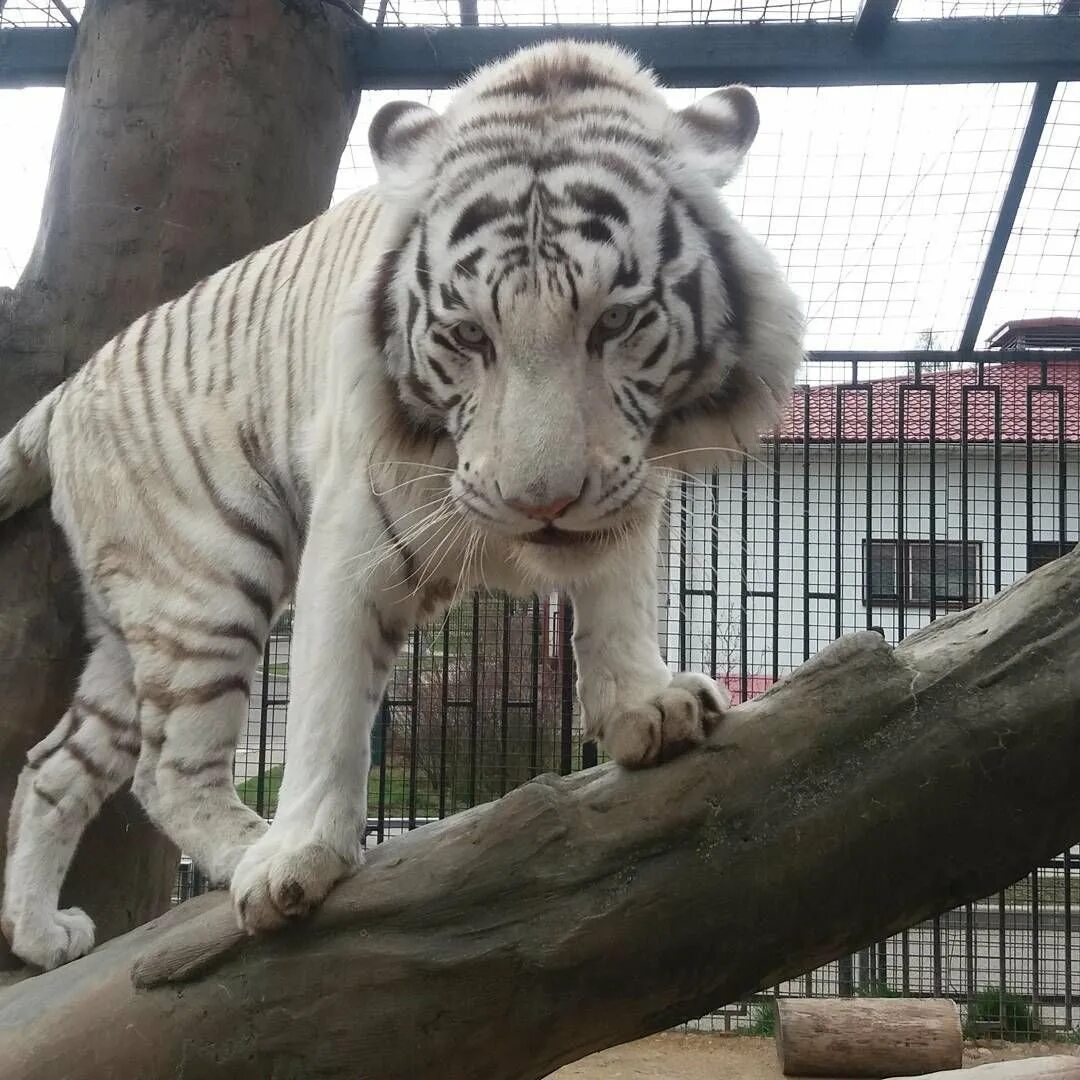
844, 805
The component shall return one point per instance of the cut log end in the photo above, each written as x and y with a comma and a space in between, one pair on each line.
867, 1037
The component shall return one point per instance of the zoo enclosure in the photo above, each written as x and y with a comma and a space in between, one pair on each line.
913, 474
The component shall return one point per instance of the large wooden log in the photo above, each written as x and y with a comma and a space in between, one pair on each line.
1057, 1067
580, 912
867, 1036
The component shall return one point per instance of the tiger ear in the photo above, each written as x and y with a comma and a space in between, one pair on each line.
400, 137
721, 128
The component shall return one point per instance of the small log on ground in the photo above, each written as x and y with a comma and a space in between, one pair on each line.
588, 910
1058, 1067
868, 1037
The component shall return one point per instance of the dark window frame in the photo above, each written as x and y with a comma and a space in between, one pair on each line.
1041, 552
903, 575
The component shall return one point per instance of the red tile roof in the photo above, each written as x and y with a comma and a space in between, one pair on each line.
942, 393
755, 685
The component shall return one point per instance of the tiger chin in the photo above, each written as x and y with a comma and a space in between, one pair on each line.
478, 373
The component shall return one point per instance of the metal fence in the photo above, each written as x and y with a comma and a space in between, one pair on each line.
890, 495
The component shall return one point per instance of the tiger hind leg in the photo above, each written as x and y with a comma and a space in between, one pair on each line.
68, 775
192, 688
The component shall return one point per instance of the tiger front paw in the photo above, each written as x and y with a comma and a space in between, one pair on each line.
677, 719
282, 878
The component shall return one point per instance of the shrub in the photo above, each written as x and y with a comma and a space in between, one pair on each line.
762, 1020
997, 1012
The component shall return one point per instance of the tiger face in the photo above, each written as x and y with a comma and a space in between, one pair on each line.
569, 302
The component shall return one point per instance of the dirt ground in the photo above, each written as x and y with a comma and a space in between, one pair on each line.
738, 1057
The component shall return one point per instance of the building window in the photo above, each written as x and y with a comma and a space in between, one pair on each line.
922, 573
1041, 552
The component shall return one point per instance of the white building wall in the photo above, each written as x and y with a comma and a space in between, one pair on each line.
803, 537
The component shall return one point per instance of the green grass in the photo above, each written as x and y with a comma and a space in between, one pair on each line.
762, 1021
1001, 1015
397, 793
248, 789
279, 670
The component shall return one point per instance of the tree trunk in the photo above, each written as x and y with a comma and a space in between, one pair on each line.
580, 912
192, 132
867, 1036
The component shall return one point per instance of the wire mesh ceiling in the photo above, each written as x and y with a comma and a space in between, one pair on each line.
879, 202
676, 12
612, 12
57, 13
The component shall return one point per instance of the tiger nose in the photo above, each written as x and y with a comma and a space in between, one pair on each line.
545, 512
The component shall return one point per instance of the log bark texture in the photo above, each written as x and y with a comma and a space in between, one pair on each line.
867, 1036
580, 912
1056, 1067
192, 132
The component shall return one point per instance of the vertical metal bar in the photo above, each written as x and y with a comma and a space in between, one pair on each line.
965, 465
414, 725
684, 549
1029, 479
868, 544
1062, 469
1067, 860
838, 518
932, 515
264, 725
936, 937
534, 708
744, 571
969, 949
714, 570
806, 523
902, 574
504, 699
1002, 967
774, 671
566, 731
474, 710
997, 489
1010, 204
384, 724
444, 715
1036, 918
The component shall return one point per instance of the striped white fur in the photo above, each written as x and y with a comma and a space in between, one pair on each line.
460, 378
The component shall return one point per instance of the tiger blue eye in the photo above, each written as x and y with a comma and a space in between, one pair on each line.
470, 333
616, 317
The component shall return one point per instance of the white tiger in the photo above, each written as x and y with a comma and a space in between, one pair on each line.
474, 374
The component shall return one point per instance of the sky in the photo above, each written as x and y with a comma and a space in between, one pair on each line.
878, 202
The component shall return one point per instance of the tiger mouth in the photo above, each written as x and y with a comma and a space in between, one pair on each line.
553, 536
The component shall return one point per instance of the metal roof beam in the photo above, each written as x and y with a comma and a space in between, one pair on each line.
35, 56
1019, 49
1039, 48
1010, 206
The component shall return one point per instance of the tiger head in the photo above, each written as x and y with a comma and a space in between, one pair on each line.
568, 300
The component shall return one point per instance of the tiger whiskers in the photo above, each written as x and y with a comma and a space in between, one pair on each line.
394, 540
735, 451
